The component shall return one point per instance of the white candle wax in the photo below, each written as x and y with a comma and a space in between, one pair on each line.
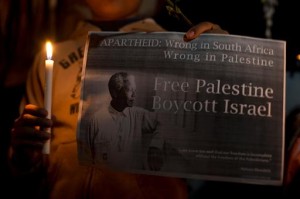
48, 91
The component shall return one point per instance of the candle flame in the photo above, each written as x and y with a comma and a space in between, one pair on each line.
49, 49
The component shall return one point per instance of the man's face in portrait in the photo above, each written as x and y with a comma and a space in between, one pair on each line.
128, 93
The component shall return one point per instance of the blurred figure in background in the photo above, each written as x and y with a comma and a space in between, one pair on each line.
292, 175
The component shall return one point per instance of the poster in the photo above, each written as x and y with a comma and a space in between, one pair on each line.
210, 109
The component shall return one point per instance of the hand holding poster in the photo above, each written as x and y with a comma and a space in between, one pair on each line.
212, 108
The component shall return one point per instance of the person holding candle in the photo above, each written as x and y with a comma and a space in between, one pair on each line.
59, 175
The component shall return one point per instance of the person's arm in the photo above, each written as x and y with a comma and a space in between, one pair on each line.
28, 166
27, 140
293, 162
151, 127
28, 136
203, 27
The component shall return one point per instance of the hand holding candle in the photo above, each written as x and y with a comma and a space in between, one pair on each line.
48, 90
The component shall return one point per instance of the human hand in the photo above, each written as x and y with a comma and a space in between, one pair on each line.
293, 164
203, 27
29, 136
155, 159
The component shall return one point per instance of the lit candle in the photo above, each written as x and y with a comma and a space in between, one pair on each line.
48, 90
